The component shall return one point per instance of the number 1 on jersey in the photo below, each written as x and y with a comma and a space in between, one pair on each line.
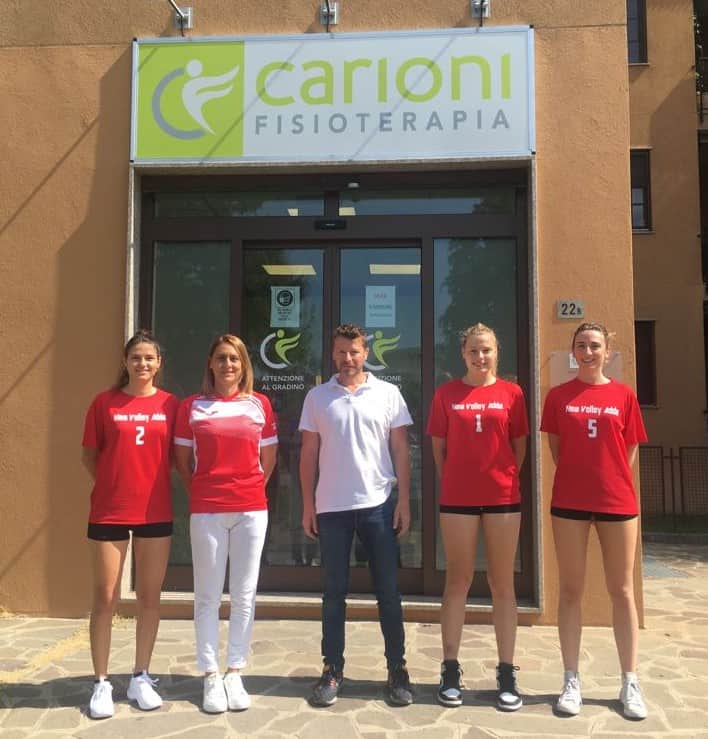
592, 428
478, 423
139, 435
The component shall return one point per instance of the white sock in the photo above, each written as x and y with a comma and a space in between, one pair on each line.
629, 677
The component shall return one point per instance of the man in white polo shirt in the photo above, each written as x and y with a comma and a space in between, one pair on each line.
354, 434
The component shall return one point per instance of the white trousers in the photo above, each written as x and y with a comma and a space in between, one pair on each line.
216, 537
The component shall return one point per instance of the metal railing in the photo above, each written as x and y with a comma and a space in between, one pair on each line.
699, 23
674, 486
702, 102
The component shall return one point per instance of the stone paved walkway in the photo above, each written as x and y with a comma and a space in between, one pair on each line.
45, 677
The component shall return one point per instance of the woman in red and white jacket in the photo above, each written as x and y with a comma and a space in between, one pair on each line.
127, 447
594, 427
225, 447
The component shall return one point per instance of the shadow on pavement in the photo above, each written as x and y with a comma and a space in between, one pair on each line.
74, 692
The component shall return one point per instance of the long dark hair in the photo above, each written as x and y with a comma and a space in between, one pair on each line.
140, 337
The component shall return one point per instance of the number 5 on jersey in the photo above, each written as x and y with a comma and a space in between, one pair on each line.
592, 428
139, 435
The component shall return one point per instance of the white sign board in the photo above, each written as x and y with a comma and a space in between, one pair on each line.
433, 94
380, 306
285, 307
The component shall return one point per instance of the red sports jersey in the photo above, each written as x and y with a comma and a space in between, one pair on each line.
595, 424
226, 435
478, 424
133, 436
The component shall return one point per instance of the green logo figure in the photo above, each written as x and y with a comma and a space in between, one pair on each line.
190, 100
379, 347
282, 346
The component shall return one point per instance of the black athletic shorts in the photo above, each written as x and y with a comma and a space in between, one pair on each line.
121, 532
478, 510
576, 515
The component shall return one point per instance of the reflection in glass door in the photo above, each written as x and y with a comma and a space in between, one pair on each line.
475, 280
191, 289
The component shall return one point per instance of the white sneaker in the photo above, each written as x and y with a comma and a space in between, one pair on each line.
238, 698
214, 700
101, 703
570, 701
633, 705
142, 690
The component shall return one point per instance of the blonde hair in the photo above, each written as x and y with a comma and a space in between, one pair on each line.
479, 329
245, 384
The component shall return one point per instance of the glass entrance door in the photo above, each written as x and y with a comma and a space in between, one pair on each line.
282, 324
287, 319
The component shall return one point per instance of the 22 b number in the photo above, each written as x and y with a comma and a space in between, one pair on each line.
570, 309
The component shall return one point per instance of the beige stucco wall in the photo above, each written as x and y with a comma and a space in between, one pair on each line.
63, 223
63, 205
667, 262
584, 232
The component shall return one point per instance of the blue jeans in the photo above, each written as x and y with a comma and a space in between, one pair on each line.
374, 526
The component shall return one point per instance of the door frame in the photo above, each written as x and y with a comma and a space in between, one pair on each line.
408, 230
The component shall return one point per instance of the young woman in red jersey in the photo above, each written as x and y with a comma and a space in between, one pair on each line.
479, 426
594, 427
226, 443
127, 447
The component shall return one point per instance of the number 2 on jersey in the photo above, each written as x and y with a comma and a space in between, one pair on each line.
592, 428
478, 423
139, 435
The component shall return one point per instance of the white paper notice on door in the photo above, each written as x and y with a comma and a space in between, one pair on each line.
285, 307
380, 306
